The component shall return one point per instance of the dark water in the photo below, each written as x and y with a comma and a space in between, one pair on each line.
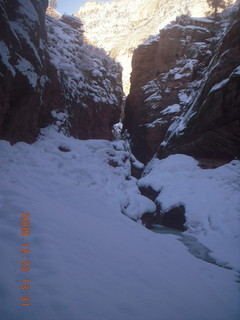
197, 249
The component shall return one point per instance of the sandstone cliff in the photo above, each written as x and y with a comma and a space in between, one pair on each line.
119, 26
90, 94
185, 94
23, 65
48, 74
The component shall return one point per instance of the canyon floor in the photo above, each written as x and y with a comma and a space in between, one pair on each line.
90, 261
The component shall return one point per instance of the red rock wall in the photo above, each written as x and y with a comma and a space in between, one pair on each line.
214, 129
177, 72
22, 68
45, 70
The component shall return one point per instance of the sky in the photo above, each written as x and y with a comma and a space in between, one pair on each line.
72, 6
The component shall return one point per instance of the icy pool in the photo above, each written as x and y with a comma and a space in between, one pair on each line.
196, 248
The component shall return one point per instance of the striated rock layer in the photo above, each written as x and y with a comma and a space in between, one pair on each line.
185, 93
48, 74
119, 26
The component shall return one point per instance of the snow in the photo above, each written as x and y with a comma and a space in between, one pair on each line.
5, 56
88, 260
117, 130
188, 97
187, 27
157, 122
204, 20
219, 85
171, 109
27, 9
27, 69
138, 205
72, 20
19, 29
59, 115
150, 40
211, 199
85, 71
179, 76
183, 97
192, 27
236, 72
155, 97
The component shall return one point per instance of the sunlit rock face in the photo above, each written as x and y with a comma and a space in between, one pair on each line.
53, 13
185, 94
50, 75
119, 26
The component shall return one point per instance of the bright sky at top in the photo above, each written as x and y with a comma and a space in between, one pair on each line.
72, 6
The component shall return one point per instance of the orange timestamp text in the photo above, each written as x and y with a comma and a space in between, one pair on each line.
25, 264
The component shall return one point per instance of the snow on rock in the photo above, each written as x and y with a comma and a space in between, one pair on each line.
138, 205
5, 56
157, 122
236, 72
90, 80
46, 65
166, 72
23, 66
191, 64
219, 85
129, 24
175, 108
210, 197
88, 260
84, 69
27, 69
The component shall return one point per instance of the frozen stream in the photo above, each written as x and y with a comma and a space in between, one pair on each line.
197, 249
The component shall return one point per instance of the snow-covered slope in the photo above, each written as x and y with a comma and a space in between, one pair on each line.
89, 261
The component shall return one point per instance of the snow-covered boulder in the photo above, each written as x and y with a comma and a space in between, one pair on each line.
210, 198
